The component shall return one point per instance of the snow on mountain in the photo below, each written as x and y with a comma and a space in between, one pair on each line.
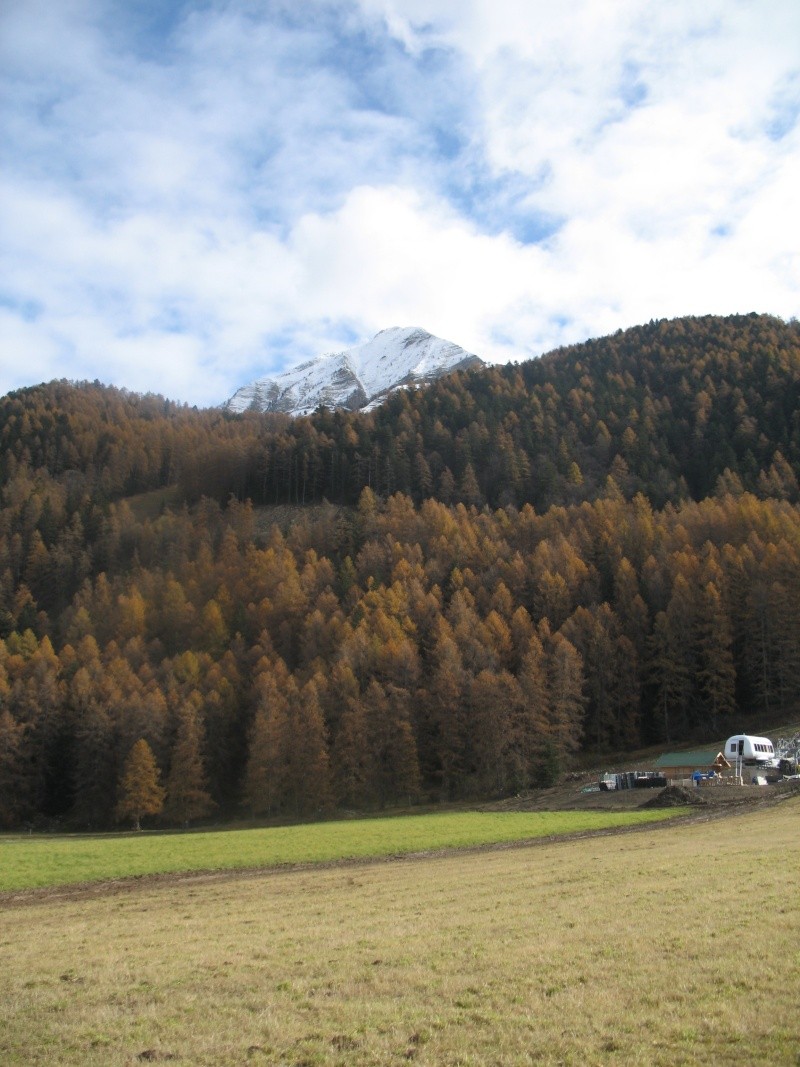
358, 378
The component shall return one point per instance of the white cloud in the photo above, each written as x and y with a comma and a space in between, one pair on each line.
190, 206
391, 258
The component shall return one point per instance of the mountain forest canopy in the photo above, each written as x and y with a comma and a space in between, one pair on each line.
449, 596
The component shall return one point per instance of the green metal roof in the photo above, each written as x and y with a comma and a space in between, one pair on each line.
699, 758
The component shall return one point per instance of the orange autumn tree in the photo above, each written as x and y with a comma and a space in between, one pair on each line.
140, 790
187, 794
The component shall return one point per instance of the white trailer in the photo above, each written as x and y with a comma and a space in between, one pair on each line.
750, 751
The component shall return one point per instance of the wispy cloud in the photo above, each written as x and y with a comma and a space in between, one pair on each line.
196, 193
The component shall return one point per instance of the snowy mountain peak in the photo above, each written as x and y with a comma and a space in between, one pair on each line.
358, 378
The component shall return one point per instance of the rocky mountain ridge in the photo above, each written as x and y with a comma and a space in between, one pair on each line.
358, 378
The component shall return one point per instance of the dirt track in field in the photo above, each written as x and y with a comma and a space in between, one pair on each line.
708, 805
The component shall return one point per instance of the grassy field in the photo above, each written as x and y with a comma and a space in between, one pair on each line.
148, 506
29, 862
678, 945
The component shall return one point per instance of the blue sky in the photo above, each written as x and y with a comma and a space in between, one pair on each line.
196, 193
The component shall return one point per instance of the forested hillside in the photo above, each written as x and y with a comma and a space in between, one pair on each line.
597, 549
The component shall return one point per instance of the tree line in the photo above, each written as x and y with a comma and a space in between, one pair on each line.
393, 652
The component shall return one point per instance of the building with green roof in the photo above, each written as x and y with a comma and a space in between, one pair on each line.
684, 764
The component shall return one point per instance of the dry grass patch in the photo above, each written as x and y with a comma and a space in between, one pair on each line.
672, 947
149, 505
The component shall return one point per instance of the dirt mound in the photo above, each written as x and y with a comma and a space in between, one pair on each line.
675, 796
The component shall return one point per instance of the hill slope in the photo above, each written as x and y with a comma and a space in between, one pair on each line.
665, 409
399, 642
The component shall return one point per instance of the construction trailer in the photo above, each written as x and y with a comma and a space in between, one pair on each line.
750, 751
752, 758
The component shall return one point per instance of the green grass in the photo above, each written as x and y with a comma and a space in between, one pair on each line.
151, 504
29, 862
671, 947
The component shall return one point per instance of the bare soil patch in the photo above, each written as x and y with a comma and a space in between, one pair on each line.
570, 795
676, 796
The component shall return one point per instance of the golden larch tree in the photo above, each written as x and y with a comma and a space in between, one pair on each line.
187, 794
140, 790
